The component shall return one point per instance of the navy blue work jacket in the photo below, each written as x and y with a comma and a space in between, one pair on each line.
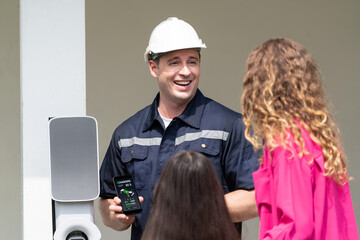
141, 146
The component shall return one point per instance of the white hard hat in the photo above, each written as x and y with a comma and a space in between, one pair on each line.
172, 34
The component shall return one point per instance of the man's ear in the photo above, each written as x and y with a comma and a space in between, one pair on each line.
153, 69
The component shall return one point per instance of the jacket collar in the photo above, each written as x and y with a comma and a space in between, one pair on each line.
191, 115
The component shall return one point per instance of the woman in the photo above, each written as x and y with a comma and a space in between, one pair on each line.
301, 187
189, 202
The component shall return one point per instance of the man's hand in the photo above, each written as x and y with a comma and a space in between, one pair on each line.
112, 215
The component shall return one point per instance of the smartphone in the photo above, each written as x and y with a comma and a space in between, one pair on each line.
126, 191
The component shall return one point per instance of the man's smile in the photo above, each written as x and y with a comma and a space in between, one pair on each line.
182, 83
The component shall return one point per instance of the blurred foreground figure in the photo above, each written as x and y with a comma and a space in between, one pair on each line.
189, 202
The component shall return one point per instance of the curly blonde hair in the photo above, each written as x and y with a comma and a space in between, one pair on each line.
283, 86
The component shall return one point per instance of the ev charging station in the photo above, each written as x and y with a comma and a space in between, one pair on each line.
57, 200
74, 170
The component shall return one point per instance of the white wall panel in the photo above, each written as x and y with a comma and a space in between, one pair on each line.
52, 72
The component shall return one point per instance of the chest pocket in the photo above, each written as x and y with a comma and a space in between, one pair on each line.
212, 149
209, 147
135, 159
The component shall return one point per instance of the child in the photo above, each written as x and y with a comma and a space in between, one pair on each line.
301, 187
189, 202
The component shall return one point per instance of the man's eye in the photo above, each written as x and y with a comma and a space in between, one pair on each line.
173, 63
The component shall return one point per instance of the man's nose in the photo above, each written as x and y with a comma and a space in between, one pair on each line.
185, 71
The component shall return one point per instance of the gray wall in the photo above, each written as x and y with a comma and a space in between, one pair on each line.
119, 83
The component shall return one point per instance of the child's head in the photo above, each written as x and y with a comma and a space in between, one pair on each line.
189, 201
188, 176
283, 84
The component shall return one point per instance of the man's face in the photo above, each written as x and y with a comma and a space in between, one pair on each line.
178, 75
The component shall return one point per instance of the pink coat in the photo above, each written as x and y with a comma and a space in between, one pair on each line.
296, 201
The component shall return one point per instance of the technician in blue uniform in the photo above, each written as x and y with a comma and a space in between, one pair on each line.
179, 118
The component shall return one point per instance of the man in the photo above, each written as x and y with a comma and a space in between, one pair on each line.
180, 118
